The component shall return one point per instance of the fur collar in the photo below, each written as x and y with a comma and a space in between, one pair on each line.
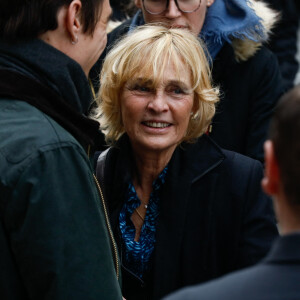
244, 49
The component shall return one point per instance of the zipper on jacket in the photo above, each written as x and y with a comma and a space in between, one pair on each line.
108, 227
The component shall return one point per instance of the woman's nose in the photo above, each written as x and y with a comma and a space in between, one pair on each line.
172, 10
158, 103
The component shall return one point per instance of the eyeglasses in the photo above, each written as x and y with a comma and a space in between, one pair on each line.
156, 7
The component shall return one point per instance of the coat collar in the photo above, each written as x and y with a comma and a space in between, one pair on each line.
285, 250
188, 164
51, 67
14, 85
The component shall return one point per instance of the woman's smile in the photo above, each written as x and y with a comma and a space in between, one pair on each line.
153, 124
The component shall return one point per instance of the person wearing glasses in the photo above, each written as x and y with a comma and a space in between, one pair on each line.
246, 72
182, 209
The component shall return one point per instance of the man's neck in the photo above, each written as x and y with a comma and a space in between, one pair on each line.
288, 216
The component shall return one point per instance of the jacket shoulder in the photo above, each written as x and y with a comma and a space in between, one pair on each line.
241, 166
240, 159
21, 121
26, 132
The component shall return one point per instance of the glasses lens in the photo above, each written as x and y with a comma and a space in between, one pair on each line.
188, 5
155, 6
159, 6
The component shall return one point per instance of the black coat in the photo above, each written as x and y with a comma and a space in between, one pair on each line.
249, 93
213, 218
276, 277
283, 41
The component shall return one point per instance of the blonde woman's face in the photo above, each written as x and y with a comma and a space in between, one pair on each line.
156, 118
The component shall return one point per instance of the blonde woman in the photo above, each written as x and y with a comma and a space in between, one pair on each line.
182, 209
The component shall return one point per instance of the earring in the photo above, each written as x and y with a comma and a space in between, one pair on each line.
76, 40
208, 3
194, 116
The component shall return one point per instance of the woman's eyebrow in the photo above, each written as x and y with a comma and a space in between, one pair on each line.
140, 80
179, 83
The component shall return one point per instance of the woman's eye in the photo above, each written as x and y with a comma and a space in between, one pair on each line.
176, 90
141, 88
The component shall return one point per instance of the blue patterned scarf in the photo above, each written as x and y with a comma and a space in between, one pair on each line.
225, 19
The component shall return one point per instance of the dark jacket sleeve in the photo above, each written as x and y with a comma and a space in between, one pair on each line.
265, 94
249, 93
57, 231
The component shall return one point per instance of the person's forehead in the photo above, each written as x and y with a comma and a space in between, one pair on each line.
170, 72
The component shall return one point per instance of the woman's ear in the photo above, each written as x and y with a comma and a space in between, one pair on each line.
73, 20
271, 180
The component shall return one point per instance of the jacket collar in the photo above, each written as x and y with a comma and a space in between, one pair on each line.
285, 250
193, 161
188, 164
46, 78
51, 67
190, 161
14, 85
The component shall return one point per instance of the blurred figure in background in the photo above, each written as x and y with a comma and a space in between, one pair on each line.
284, 39
122, 9
297, 80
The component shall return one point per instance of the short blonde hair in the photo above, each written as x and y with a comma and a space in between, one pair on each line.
147, 51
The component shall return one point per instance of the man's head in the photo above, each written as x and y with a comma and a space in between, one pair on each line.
175, 13
26, 19
282, 151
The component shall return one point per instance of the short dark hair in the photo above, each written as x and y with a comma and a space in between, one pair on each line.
26, 19
284, 132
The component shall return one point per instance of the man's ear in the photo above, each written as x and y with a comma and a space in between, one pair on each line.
73, 20
271, 180
138, 3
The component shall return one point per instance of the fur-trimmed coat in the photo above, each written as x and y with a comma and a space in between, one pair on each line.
250, 82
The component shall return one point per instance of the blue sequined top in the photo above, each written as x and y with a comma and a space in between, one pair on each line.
137, 255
